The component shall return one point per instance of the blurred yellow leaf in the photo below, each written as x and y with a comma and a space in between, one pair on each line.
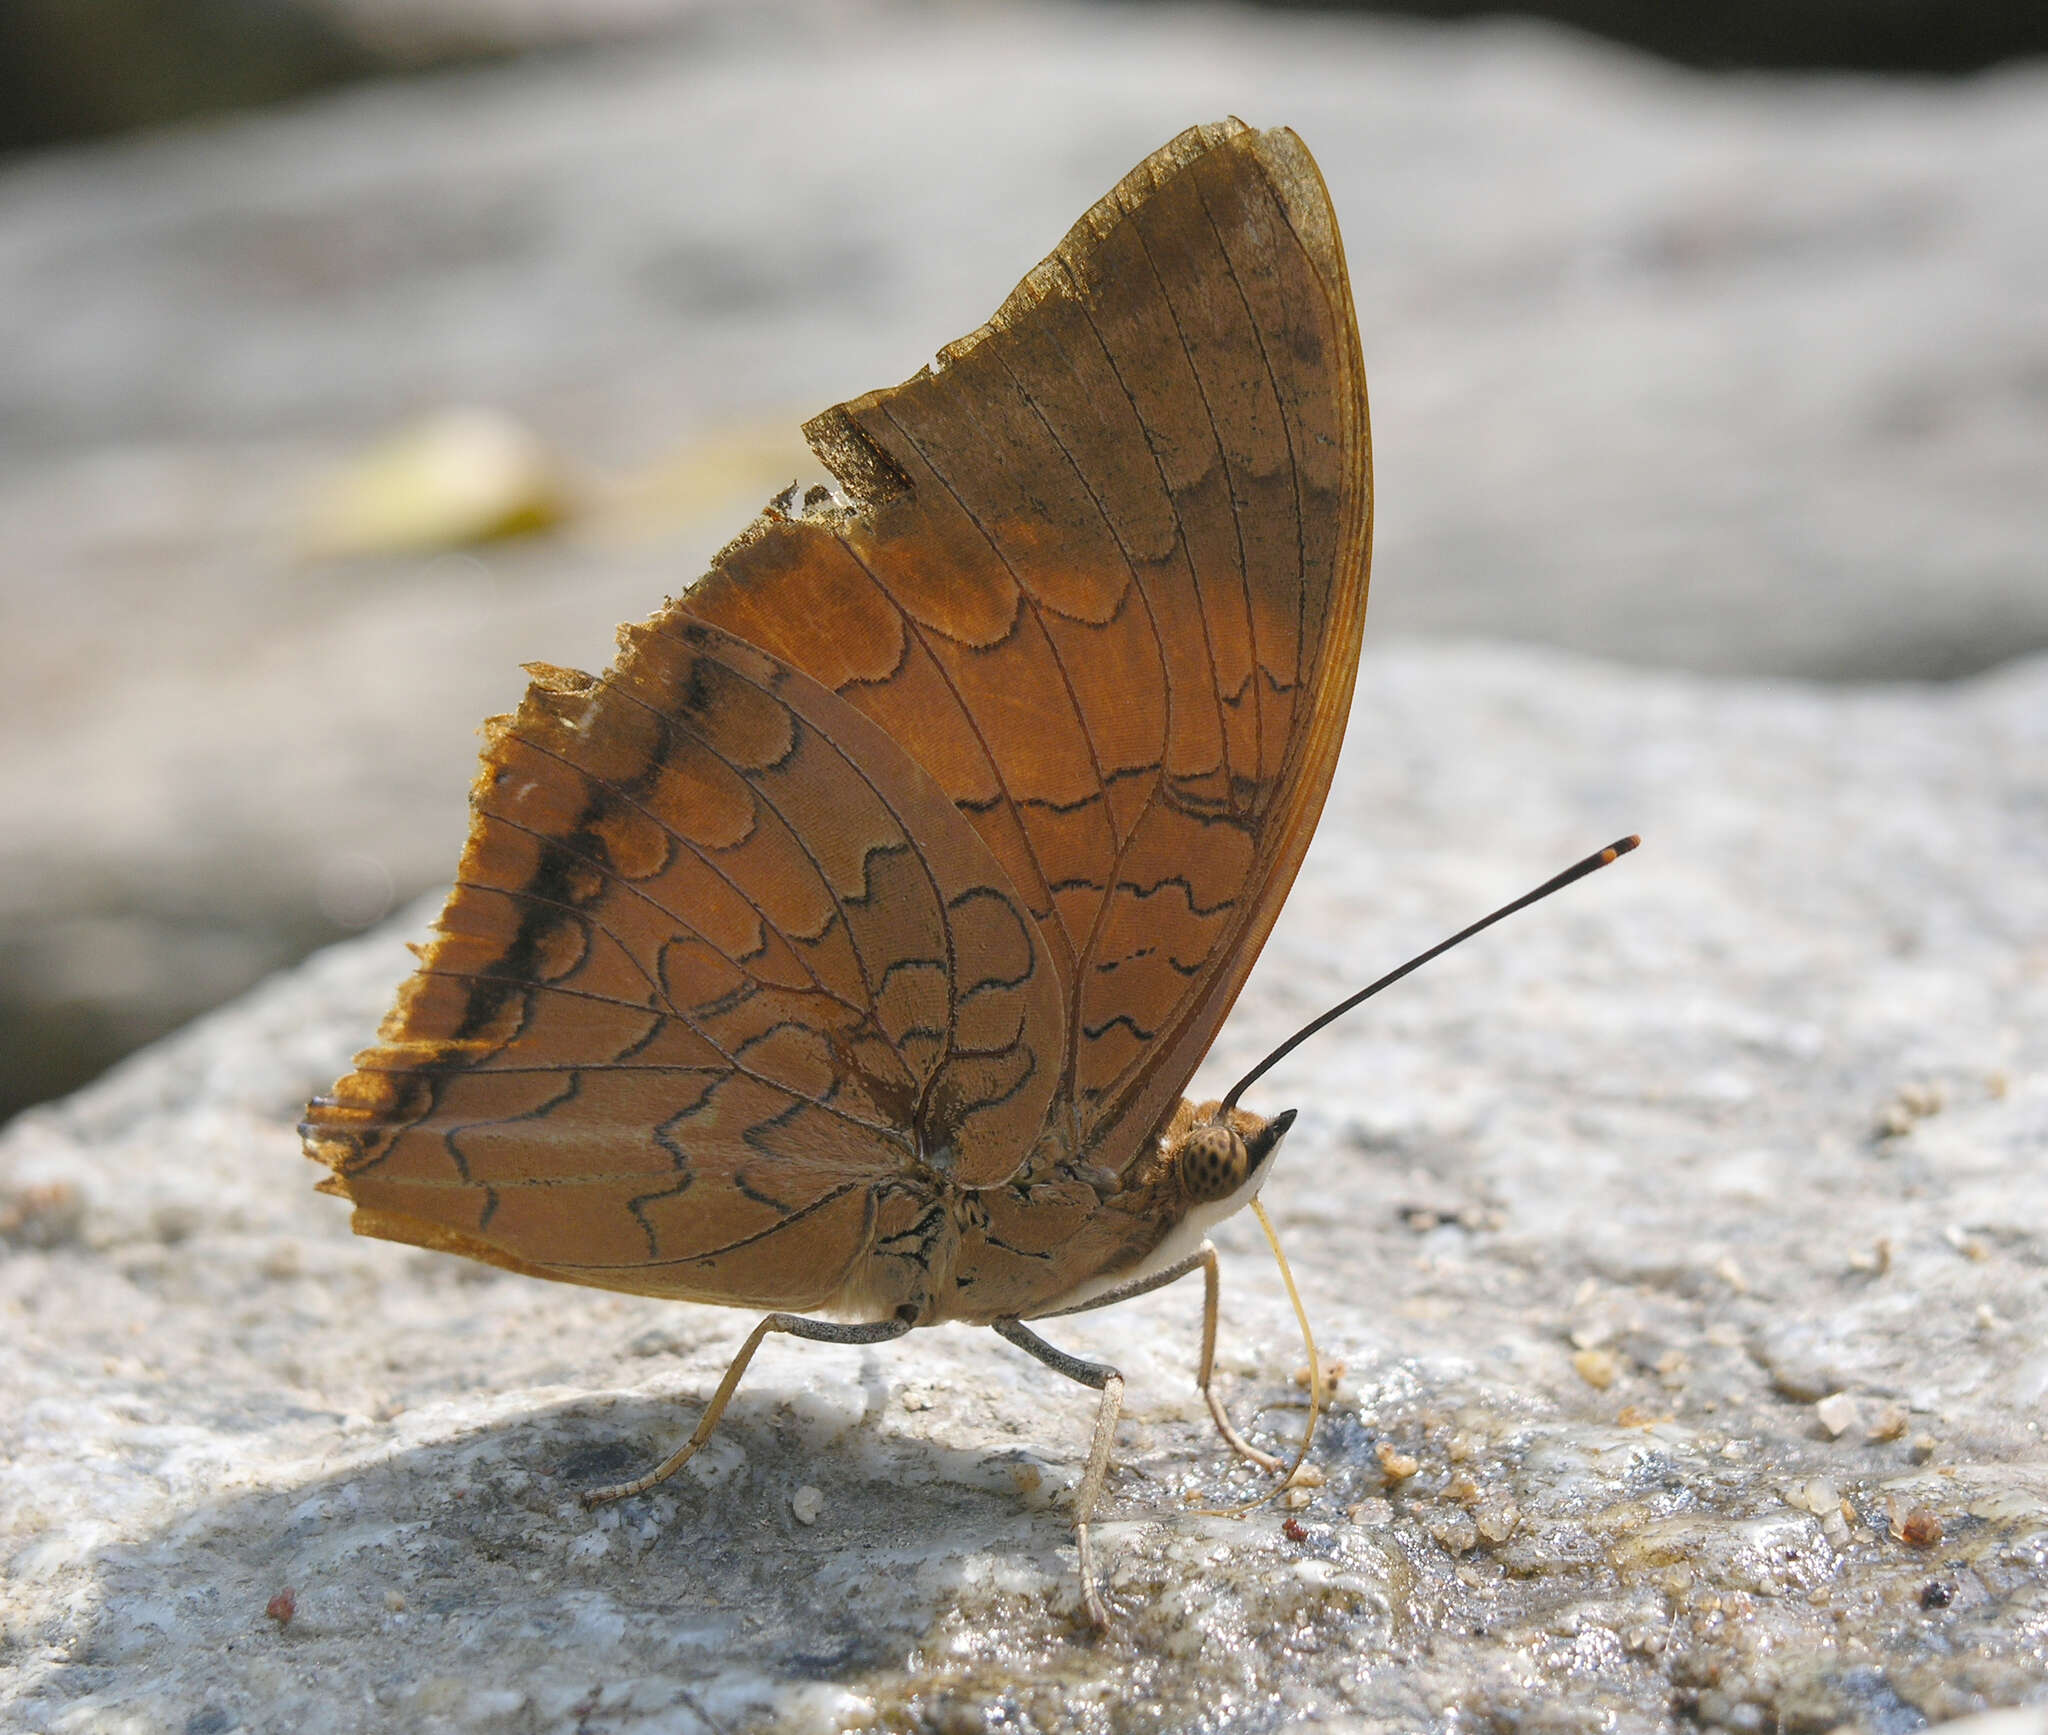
457, 477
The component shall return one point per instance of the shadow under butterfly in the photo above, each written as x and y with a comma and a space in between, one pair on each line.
846, 947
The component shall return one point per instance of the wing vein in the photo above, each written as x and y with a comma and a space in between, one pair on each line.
1236, 524
700, 853
767, 801
952, 966
1281, 403
912, 624
1059, 662
661, 993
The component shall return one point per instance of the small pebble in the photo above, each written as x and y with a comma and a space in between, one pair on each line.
1332, 1372
282, 1607
1921, 1099
806, 1503
1965, 1243
1838, 1414
1296, 1498
1919, 1528
1889, 1422
1597, 1367
394, 1602
1497, 1520
1397, 1464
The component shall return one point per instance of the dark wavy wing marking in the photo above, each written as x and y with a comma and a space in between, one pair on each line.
699, 992
803, 590
993, 1066
1072, 819
1105, 580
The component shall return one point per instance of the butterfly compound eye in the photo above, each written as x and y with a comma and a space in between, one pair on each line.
1213, 1164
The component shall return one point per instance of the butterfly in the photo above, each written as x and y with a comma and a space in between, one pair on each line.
845, 950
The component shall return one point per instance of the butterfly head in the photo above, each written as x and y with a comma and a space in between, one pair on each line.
1219, 1158
1208, 1163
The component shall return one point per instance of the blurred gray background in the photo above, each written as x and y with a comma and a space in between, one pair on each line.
353, 352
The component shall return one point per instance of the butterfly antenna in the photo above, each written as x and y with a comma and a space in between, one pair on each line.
1577, 871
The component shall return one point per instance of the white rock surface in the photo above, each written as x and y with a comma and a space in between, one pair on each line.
1596, 1213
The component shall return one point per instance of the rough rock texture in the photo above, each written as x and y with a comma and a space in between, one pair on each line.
1682, 1241
1741, 375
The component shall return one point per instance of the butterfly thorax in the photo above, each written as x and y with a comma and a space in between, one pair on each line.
1061, 1233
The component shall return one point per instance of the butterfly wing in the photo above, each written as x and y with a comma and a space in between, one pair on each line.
720, 964
1106, 582
924, 825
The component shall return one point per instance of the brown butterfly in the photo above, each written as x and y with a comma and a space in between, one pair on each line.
847, 946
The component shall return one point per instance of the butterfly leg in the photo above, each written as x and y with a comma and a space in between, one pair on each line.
1110, 1384
817, 1330
1211, 1295
1204, 1257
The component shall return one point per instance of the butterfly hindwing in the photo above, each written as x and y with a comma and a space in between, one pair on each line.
720, 960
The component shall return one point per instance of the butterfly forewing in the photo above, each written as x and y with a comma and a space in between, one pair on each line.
1112, 569
930, 837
